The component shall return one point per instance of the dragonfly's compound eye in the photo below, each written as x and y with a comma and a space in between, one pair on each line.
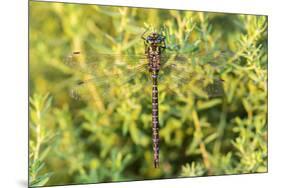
149, 39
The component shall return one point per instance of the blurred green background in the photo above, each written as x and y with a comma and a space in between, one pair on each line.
109, 139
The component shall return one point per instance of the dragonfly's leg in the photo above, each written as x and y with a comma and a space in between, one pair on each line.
163, 43
142, 36
145, 41
145, 47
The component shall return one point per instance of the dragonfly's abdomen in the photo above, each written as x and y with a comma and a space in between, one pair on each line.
155, 120
154, 67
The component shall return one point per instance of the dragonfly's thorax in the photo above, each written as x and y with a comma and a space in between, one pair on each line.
155, 44
154, 58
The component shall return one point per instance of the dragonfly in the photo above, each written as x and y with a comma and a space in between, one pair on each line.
182, 69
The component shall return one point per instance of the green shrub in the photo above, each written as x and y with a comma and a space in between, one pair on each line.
108, 138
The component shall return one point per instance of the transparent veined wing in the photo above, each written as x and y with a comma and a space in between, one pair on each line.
195, 73
101, 72
100, 63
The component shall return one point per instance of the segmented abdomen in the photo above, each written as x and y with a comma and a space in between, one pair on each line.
155, 121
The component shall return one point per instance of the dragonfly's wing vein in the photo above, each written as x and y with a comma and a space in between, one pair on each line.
191, 75
91, 64
180, 70
102, 72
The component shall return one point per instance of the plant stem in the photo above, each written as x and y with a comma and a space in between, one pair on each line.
38, 135
202, 146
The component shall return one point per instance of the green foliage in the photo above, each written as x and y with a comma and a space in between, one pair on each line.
108, 138
193, 169
39, 140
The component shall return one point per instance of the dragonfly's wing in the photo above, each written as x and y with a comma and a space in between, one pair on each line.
190, 73
195, 75
217, 59
92, 63
99, 73
89, 89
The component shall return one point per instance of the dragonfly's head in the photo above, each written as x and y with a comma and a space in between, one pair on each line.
155, 39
